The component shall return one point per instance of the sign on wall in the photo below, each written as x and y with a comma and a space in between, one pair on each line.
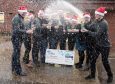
54, 56
1, 17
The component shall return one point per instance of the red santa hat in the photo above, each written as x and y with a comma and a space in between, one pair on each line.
86, 14
67, 17
74, 18
22, 9
101, 11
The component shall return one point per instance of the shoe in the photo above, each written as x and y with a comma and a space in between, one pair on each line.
42, 61
68, 65
37, 65
25, 62
110, 79
29, 65
19, 74
85, 68
89, 77
78, 65
22, 74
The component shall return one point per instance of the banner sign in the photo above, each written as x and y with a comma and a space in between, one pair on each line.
54, 56
1, 17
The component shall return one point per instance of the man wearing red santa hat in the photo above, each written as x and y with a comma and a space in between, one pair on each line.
28, 24
40, 37
102, 45
18, 32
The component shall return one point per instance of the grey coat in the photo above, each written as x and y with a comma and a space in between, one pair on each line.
18, 26
100, 33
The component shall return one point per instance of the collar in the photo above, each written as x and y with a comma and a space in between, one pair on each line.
20, 16
99, 20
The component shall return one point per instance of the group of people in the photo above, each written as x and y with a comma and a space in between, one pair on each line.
38, 34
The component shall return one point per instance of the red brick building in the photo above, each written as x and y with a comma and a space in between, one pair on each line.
9, 7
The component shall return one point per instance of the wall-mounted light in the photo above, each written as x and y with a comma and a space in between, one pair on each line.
10, 13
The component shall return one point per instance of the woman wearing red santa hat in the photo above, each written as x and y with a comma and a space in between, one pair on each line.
102, 45
18, 32
84, 42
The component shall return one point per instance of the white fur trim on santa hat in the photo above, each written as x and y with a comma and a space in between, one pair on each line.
87, 16
22, 11
74, 20
99, 13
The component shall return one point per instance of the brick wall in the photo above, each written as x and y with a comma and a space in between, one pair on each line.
9, 8
111, 20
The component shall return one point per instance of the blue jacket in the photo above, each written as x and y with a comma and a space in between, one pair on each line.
80, 40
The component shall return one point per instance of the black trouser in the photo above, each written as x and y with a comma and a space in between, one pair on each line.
81, 56
88, 55
27, 44
71, 41
104, 51
63, 42
16, 66
39, 45
53, 42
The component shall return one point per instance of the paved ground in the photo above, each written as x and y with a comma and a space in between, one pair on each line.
102, 73
46, 74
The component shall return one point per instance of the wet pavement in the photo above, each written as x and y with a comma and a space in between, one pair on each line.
45, 74
102, 73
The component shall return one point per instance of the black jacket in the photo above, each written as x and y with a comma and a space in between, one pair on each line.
18, 29
40, 32
90, 40
100, 33
53, 33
